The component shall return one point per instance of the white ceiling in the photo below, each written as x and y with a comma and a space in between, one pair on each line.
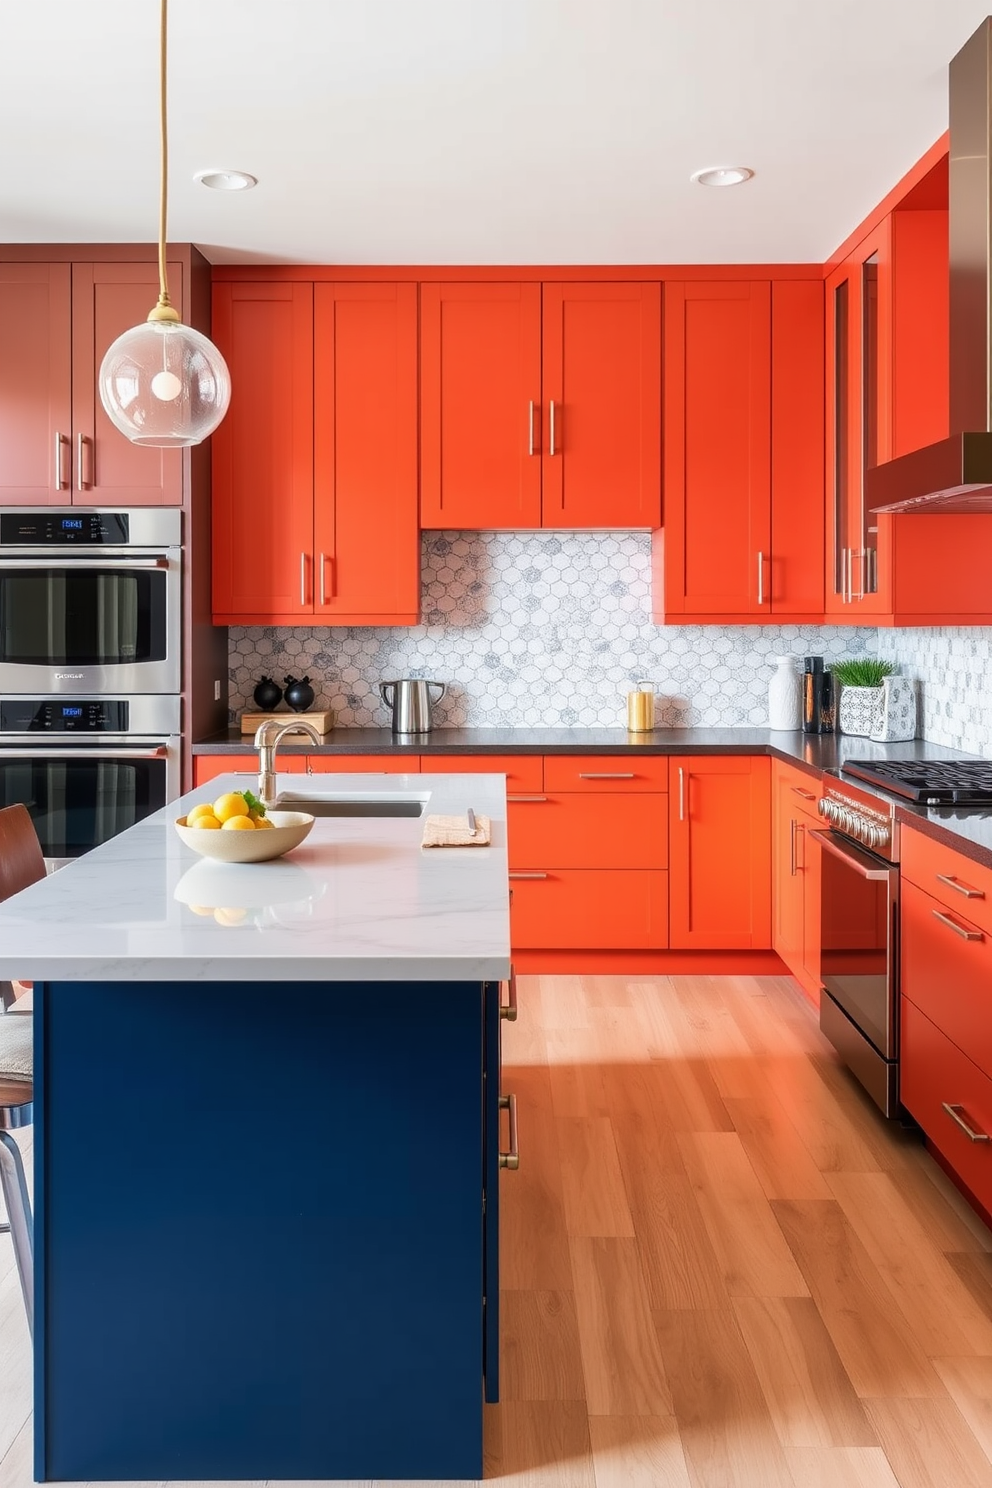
471, 131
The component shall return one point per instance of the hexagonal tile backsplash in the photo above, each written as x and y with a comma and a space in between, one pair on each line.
537, 629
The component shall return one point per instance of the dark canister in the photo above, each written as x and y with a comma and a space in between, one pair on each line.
818, 697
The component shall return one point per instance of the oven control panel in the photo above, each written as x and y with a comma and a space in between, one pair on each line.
859, 821
53, 716
59, 529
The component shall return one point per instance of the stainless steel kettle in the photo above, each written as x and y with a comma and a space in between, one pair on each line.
411, 703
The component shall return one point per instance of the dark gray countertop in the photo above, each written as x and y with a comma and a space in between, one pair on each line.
968, 830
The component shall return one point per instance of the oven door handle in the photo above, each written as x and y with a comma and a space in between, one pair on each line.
90, 561
70, 751
859, 862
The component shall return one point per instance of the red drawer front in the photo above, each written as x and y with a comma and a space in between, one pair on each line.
948, 976
579, 909
594, 831
363, 764
932, 1070
208, 766
524, 772
962, 884
605, 772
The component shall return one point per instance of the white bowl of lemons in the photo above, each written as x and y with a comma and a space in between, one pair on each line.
237, 828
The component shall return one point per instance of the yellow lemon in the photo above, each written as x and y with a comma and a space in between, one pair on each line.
264, 822
209, 823
229, 916
229, 805
204, 809
238, 824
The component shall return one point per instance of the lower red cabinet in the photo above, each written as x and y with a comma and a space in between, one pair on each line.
795, 874
577, 909
947, 971
950, 1097
720, 852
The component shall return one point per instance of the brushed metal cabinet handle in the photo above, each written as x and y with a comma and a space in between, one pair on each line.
959, 886
530, 428
523, 800
953, 1108
60, 480
508, 1009
761, 578
83, 474
606, 775
806, 795
511, 1159
303, 578
551, 418
520, 874
958, 929
681, 793
792, 847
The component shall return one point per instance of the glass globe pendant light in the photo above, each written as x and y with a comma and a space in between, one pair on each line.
162, 383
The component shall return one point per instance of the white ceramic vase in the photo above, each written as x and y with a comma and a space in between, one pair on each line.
895, 715
784, 695
858, 711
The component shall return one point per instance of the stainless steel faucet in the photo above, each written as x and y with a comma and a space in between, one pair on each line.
267, 737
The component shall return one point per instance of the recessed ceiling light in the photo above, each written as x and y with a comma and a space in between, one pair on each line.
226, 180
722, 175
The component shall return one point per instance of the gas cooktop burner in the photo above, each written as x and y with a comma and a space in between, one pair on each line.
929, 782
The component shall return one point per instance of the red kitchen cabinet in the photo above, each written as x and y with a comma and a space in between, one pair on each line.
57, 445
601, 386
720, 852
314, 468
209, 766
480, 389
947, 971
541, 405
950, 1097
572, 909
743, 452
362, 764
524, 772
795, 874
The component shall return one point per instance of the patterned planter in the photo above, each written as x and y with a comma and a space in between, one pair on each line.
859, 709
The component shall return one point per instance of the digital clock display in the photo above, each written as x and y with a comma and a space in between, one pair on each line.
72, 712
72, 524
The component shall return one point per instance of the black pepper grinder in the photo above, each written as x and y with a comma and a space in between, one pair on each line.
818, 697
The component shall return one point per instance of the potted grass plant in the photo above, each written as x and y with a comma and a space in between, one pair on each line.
860, 683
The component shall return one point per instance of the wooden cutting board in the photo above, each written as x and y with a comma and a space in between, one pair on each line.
322, 720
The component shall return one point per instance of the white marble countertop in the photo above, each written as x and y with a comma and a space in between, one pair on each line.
359, 900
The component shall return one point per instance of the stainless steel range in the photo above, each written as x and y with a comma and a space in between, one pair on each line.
859, 936
929, 782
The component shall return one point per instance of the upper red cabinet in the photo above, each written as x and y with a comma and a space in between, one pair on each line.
541, 405
315, 465
57, 446
743, 452
887, 378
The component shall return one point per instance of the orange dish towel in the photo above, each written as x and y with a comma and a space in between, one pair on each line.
454, 831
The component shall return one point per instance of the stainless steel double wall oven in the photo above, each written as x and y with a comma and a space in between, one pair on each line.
90, 669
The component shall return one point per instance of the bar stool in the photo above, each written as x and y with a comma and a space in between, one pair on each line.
21, 864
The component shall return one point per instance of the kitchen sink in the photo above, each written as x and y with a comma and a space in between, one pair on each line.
354, 805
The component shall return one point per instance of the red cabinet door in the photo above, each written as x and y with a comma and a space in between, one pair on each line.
578, 909
263, 549
366, 552
35, 384
935, 1075
209, 766
720, 853
793, 572
717, 449
480, 389
601, 384
107, 469
787, 883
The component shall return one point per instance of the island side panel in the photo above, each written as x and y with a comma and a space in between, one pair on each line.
264, 1258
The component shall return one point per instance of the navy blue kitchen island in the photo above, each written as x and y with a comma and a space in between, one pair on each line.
267, 1200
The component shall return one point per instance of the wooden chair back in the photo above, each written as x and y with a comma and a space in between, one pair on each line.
21, 863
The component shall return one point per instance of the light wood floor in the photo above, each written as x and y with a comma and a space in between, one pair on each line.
721, 1268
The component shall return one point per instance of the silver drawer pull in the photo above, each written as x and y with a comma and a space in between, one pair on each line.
959, 886
806, 795
511, 1159
508, 1009
606, 775
953, 1109
958, 929
524, 799
528, 875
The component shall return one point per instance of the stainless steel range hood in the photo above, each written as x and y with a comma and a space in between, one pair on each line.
955, 475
